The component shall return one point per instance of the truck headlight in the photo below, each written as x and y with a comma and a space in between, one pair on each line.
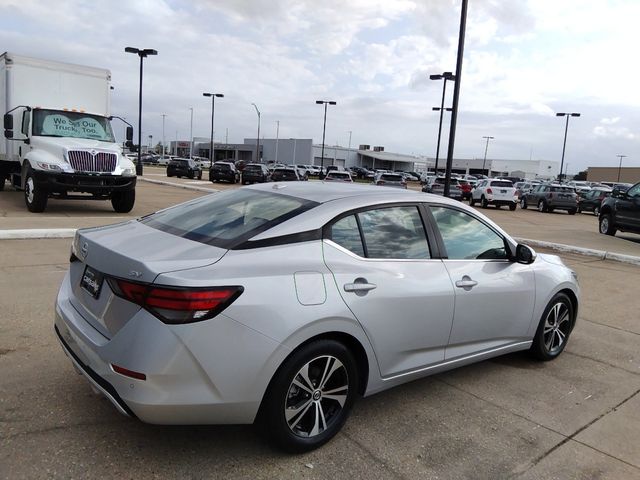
49, 166
129, 171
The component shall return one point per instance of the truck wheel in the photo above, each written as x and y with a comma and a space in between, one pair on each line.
122, 202
35, 198
607, 227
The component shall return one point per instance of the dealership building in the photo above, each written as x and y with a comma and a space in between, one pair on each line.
304, 152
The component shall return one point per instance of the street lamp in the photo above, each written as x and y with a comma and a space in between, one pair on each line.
213, 106
142, 53
444, 76
258, 138
564, 145
620, 166
486, 147
324, 128
150, 141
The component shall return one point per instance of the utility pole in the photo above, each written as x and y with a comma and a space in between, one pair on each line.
163, 145
191, 135
277, 138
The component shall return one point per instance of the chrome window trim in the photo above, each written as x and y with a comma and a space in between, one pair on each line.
358, 257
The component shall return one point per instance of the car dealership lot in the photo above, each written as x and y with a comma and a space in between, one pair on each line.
575, 417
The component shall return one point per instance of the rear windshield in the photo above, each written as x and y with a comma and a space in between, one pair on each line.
229, 218
221, 166
391, 178
282, 174
253, 168
339, 174
501, 183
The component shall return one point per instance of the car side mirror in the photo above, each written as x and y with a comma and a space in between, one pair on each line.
525, 254
129, 134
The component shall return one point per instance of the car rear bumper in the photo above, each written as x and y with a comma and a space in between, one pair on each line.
192, 374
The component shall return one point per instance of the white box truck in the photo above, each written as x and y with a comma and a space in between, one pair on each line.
58, 141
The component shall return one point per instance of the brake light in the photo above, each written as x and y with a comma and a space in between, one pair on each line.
177, 305
489, 191
128, 373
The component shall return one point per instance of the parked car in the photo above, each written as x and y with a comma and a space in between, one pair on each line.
255, 173
621, 211
437, 188
226, 171
492, 191
285, 174
313, 170
525, 187
266, 305
590, 201
390, 180
183, 167
336, 176
579, 186
549, 197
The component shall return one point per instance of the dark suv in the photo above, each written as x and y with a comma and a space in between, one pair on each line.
223, 171
184, 167
550, 197
621, 211
255, 173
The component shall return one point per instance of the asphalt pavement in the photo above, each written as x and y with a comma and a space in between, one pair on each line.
510, 417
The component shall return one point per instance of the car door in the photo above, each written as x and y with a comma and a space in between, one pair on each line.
381, 262
627, 207
494, 296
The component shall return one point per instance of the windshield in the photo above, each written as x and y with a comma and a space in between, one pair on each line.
57, 123
501, 183
229, 218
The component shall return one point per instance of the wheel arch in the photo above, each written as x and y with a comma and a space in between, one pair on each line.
574, 303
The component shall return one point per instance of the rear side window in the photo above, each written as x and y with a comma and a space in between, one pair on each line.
229, 218
562, 189
386, 233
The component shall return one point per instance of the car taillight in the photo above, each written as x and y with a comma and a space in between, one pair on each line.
380, 182
489, 191
175, 305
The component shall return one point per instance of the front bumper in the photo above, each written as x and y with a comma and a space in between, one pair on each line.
98, 184
212, 372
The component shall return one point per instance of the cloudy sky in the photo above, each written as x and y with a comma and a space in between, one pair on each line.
524, 60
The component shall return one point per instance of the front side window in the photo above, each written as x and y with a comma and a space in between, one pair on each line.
57, 123
634, 191
467, 238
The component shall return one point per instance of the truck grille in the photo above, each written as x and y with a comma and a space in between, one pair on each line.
85, 161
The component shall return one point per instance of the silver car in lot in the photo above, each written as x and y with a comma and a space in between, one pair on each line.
282, 303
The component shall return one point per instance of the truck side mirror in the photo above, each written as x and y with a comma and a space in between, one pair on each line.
129, 134
8, 122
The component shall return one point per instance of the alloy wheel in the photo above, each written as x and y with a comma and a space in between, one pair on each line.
316, 396
556, 328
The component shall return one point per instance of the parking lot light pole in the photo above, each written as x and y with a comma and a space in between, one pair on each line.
444, 76
163, 145
564, 145
620, 165
213, 107
486, 147
324, 128
258, 137
142, 53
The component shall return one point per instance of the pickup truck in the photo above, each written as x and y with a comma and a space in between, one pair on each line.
621, 211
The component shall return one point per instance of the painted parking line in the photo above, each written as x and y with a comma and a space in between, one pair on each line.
179, 185
35, 233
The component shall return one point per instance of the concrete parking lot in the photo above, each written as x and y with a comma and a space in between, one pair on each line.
511, 417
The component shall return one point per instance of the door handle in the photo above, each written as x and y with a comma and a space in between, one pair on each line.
360, 286
466, 283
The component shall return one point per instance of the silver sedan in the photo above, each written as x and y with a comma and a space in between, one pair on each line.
284, 303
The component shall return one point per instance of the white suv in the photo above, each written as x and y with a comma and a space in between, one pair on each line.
491, 191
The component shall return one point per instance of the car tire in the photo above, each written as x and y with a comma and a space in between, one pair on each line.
320, 417
483, 202
542, 207
596, 211
1, 184
523, 204
122, 202
572, 211
579, 209
513, 206
554, 329
191, 175
472, 202
200, 176
36, 198
606, 225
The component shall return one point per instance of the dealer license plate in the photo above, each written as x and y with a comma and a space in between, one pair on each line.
92, 281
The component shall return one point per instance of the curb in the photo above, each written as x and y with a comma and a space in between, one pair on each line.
179, 185
35, 233
601, 254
